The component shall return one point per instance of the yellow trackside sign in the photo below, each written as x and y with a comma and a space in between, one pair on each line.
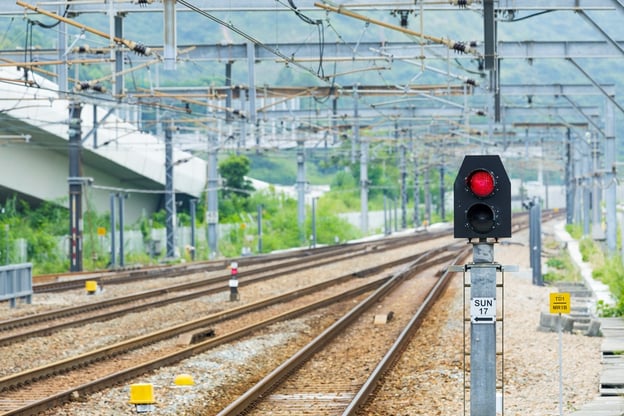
559, 303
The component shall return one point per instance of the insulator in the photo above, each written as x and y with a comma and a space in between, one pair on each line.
144, 2
81, 86
82, 49
99, 88
141, 49
472, 82
459, 47
461, 3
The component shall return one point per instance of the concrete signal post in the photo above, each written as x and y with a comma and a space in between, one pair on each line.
482, 214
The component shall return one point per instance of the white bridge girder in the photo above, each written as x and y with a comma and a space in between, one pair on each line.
126, 160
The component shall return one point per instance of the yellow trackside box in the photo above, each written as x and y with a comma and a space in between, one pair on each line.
142, 393
91, 286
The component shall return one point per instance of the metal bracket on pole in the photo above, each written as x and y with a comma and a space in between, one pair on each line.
455, 268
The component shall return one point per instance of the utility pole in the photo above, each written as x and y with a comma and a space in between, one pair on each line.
301, 189
427, 187
75, 186
113, 232
193, 209
169, 43
403, 171
363, 162
169, 192
212, 202
570, 180
610, 177
442, 193
121, 197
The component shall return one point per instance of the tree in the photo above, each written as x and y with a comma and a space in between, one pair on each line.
233, 171
234, 197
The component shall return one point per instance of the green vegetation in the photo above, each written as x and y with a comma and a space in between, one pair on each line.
42, 229
607, 269
336, 167
575, 230
279, 214
37, 228
560, 265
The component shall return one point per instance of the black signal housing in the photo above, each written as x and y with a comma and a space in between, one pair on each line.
482, 198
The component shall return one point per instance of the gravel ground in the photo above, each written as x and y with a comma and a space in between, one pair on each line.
428, 381
429, 378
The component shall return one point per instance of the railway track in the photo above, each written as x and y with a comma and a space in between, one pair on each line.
41, 324
40, 388
33, 395
310, 382
314, 381
58, 282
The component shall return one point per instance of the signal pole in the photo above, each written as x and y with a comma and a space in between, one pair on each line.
482, 201
483, 330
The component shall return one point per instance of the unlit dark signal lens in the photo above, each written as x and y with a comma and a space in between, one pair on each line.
480, 218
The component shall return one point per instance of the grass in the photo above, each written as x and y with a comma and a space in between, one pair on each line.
561, 268
609, 270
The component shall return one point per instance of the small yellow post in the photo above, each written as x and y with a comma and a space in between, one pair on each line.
142, 396
91, 286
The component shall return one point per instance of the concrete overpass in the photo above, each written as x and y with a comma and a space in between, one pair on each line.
116, 157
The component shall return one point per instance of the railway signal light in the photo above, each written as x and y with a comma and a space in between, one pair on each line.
482, 198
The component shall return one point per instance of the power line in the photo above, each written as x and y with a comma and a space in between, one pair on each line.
251, 39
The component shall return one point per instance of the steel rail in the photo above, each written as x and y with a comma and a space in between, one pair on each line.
244, 277
9, 339
112, 379
401, 343
273, 379
69, 281
67, 365
367, 390
127, 374
218, 285
64, 366
125, 276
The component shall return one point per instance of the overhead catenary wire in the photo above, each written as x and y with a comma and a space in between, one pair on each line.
134, 46
250, 38
454, 45
289, 60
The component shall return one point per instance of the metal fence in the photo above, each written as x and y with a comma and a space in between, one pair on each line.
16, 283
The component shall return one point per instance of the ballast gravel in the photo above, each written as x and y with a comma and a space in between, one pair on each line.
428, 380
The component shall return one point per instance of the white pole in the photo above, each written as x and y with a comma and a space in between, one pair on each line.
560, 368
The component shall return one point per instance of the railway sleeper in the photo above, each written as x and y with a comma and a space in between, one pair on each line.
196, 337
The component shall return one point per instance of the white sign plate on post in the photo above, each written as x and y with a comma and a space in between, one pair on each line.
483, 310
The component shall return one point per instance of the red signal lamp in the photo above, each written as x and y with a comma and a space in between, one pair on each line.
481, 183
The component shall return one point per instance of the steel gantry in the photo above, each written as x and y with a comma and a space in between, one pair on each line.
239, 114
